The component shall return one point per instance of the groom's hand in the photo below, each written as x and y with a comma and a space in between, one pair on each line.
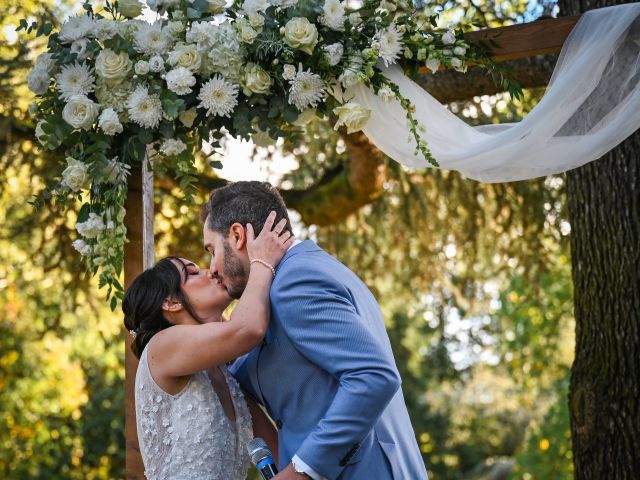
289, 474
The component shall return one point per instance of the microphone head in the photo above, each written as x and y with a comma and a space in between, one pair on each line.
258, 450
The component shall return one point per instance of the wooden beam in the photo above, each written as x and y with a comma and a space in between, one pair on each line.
526, 39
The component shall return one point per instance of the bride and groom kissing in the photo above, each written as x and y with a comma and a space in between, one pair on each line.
306, 343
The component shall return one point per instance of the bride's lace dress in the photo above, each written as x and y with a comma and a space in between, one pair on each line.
188, 435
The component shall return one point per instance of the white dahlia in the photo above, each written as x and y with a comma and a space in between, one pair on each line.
144, 108
218, 96
76, 28
307, 89
391, 46
76, 79
150, 39
180, 80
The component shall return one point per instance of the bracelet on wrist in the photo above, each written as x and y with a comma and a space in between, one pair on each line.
266, 264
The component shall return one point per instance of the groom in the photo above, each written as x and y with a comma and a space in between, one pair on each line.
325, 371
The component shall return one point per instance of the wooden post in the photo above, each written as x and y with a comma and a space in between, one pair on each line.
138, 255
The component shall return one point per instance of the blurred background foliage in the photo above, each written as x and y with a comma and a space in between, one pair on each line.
474, 281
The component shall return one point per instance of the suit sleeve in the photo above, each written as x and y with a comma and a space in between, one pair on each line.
319, 316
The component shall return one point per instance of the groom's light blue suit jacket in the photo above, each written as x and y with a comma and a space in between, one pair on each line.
325, 373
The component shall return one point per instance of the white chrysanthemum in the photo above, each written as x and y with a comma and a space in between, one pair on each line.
333, 53
391, 46
144, 109
180, 80
218, 96
76, 28
92, 227
106, 29
333, 14
307, 89
201, 33
173, 146
109, 122
76, 79
151, 39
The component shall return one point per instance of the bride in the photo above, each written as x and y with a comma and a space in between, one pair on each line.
192, 419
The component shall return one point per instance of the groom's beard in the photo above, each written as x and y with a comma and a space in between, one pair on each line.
234, 273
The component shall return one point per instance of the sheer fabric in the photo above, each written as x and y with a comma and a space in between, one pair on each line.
592, 104
188, 436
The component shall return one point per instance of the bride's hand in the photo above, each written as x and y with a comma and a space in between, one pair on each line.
272, 242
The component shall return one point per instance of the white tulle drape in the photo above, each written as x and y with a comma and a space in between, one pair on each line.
592, 103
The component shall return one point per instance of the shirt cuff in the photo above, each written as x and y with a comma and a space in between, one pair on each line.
307, 469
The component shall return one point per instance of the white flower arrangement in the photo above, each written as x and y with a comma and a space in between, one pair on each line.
112, 87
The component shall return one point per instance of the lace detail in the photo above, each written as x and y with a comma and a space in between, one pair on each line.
188, 436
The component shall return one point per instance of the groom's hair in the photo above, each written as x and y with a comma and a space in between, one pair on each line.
243, 202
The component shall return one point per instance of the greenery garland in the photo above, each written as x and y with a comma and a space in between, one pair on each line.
111, 88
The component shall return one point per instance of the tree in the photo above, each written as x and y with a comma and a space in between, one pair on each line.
604, 211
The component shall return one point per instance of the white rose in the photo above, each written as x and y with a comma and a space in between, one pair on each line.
247, 33
187, 117
289, 72
38, 81
113, 67
82, 247
355, 19
180, 80
460, 51
141, 67
76, 175
256, 80
92, 227
156, 63
130, 8
186, 56
109, 122
433, 64
172, 147
301, 33
352, 115
255, 20
449, 38
45, 62
80, 112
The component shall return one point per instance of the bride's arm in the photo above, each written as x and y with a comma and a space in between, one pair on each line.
263, 427
185, 349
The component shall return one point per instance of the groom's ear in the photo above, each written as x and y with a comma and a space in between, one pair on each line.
237, 236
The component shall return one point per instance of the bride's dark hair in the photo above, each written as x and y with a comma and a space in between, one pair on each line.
142, 302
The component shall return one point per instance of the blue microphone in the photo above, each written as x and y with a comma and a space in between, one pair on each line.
262, 458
